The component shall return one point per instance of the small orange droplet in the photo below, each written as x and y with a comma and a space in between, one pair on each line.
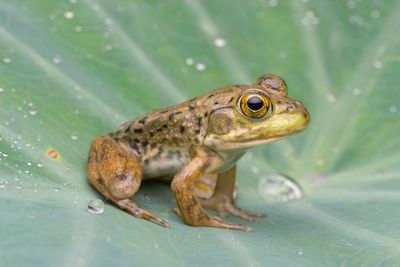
53, 154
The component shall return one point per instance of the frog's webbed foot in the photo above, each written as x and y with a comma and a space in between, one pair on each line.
209, 221
224, 206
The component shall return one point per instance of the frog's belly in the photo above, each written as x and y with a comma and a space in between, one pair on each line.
165, 164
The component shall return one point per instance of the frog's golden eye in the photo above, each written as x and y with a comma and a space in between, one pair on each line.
255, 105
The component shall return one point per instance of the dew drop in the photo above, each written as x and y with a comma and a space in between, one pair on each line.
356, 91
300, 252
375, 14
69, 14
331, 98
1, 90
96, 206
272, 3
378, 64
351, 4
18, 187
39, 164
108, 47
3, 183
279, 188
7, 60
56, 60
57, 188
310, 19
200, 66
219, 42
33, 112
356, 20
74, 136
189, 61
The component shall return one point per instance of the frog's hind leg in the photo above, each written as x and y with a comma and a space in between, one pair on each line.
116, 172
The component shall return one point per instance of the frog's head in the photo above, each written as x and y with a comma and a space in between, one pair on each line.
257, 114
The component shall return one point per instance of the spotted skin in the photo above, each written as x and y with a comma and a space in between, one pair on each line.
184, 144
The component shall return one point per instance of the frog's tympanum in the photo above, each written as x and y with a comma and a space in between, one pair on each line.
185, 143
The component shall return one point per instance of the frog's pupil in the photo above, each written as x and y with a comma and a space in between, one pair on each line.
255, 103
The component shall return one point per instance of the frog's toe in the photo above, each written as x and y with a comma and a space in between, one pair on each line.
242, 214
217, 222
138, 212
224, 206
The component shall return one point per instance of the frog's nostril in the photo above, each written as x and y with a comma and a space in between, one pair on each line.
290, 107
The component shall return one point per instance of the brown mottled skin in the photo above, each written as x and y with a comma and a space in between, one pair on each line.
183, 144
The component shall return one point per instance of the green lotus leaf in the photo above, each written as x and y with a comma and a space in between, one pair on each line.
72, 70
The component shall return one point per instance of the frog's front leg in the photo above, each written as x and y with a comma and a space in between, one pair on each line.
182, 186
222, 200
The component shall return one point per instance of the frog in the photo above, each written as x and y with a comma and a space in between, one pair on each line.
202, 137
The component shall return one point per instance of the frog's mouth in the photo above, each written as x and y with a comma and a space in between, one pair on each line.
239, 145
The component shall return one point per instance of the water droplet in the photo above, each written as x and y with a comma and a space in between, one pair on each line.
189, 61
39, 164
310, 19
29, 163
220, 42
33, 112
74, 136
69, 14
108, 21
356, 20
331, 98
56, 60
1, 90
3, 183
255, 169
272, 3
351, 4
78, 28
108, 47
7, 60
53, 154
356, 91
378, 64
200, 66
375, 14
279, 188
57, 188
96, 206
393, 109
18, 187
300, 252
